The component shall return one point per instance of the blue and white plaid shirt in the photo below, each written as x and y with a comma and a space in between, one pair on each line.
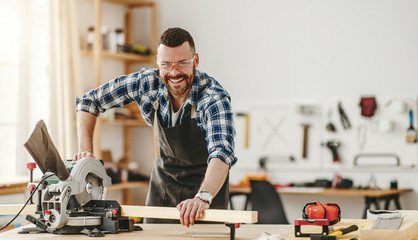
212, 102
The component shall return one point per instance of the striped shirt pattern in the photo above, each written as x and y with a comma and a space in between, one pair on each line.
213, 106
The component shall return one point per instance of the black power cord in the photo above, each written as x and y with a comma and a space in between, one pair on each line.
27, 201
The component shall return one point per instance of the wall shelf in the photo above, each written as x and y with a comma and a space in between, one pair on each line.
128, 57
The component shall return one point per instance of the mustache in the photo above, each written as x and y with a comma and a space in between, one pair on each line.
177, 76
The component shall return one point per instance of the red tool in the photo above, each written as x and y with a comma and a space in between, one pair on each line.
333, 145
316, 210
368, 106
324, 223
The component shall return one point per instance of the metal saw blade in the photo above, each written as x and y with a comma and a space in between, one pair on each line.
93, 189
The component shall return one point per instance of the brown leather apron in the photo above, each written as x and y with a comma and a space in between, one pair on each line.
180, 166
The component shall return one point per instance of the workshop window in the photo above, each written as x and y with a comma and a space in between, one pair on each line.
24, 81
9, 82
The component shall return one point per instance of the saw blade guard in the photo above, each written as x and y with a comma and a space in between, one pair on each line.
91, 180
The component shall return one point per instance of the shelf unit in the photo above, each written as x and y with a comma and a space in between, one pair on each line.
98, 53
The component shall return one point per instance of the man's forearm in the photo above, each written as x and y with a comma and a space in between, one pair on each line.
85, 128
215, 176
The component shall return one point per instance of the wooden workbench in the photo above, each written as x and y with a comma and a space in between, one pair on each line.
176, 231
371, 196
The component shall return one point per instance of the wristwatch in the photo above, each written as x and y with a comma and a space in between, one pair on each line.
205, 196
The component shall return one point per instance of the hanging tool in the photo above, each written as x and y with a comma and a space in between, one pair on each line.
305, 141
361, 135
343, 117
368, 106
377, 160
411, 134
247, 128
333, 145
330, 126
274, 131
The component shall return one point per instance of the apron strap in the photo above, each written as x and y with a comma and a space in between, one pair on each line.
156, 131
193, 112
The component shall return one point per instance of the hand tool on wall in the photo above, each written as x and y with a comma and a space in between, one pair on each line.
330, 126
361, 135
343, 117
247, 128
377, 160
305, 141
333, 145
368, 106
274, 131
411, 134
281, 159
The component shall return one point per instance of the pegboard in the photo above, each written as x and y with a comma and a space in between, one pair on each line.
375, 142
277, 133
372, 142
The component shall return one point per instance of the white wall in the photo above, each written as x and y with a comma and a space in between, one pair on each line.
280, 49
270, 51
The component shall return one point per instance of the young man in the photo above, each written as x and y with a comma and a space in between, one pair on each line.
193, 126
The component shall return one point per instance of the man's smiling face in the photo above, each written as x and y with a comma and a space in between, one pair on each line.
177, 65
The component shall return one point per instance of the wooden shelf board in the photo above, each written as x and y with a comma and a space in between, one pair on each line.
134, 3
129, 57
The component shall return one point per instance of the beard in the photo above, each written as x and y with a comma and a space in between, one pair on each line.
179, 89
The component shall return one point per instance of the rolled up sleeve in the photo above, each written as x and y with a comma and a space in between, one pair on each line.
116, 93
220, 131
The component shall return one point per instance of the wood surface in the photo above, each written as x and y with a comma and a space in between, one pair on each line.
177, 231
212, 215
407, 231
327, 191
166, 232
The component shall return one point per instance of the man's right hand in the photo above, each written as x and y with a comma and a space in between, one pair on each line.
81, 155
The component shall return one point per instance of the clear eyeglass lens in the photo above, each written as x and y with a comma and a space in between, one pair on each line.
182, 65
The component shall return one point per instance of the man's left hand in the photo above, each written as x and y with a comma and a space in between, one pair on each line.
190, 210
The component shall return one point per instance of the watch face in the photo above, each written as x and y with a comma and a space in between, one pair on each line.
205, 196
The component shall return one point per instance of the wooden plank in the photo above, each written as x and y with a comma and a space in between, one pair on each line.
12, 190
12, 209
211, 215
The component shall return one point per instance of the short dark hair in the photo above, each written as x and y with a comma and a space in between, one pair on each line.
174, 37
